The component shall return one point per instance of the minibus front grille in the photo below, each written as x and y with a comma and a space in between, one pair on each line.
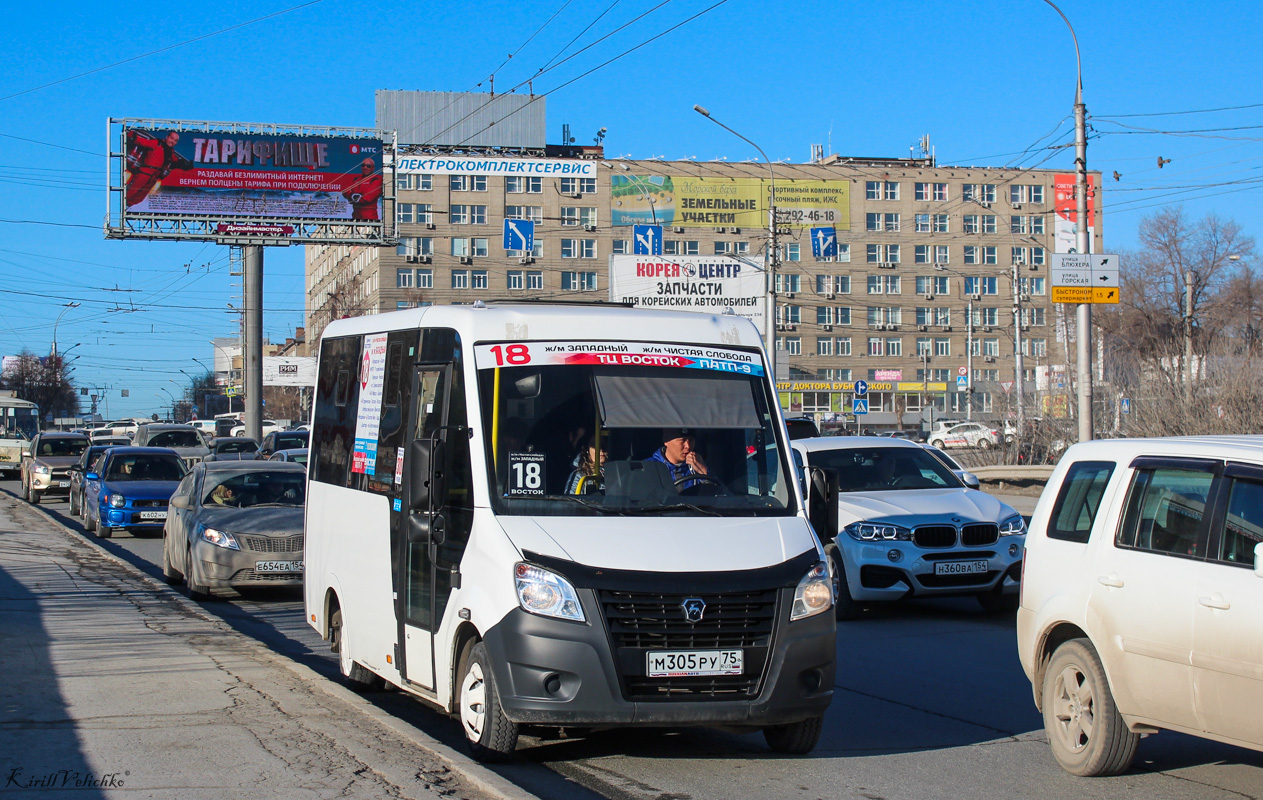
640, 622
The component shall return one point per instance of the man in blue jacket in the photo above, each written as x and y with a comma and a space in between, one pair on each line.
678, 454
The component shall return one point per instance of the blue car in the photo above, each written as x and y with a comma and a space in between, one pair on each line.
130, 488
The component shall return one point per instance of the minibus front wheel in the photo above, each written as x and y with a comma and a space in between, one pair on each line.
492, 736
359, 676
795, 738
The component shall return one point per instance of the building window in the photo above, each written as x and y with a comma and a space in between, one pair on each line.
1026, 194
403, 180
894, 347
415, 246
990, 255
842, 347
425, 279
876, 346
1032, 286
468, 183
971, 254
824, 346
533, 213
404, 278
991, 347
458, 215
788, 314
519, 184
478, 247
569, 248
942, 347
741, 248
721, 248
942, 316
940, 223
534, 280
794, 345
619, 247
788, 282
578, 281
921, 223
408, 213
882, 253
460, 247
978, 192
882, 222
460, 279
478, 279
989, 316
513, 279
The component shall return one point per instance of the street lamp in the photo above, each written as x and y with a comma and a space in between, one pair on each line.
1082, 244
68, 306
773, 253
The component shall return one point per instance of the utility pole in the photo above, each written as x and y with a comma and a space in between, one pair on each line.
1188, 337
969, 360
1018, 368
252, 346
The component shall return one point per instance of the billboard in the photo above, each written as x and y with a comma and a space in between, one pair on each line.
239, 183
289, 371
1065, 205
691, 283
688, 202
478, 165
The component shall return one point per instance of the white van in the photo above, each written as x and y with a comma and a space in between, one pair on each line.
453, 551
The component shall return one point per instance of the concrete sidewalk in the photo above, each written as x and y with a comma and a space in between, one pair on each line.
116, 686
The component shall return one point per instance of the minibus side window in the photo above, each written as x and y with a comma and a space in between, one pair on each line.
337, 398
401, 352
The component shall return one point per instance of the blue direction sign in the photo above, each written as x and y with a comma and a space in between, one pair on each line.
1124, 405
861, 388
859, 405
519, 234
647, 240
824, 242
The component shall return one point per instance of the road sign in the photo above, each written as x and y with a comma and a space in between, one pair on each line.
646, 240
824, 242
1124, 405
962, 371
1007, 386
861, 389
962, 383
1084, 278
859, 405
519, 234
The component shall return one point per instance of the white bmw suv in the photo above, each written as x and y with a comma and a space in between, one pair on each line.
908, 526
1142, 599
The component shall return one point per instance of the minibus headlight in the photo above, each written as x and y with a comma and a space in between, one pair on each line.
814, 593
1013, 526
219, 538
546, 593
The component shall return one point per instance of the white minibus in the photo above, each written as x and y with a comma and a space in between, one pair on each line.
460, 545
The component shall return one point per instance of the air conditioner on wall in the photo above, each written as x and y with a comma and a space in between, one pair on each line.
721, 230
589, 228
1017, 205
526, 260
466, 259
923, 327
1025, 298
429, 226
410, 259
1033, 267
986, 329
678, 229
826, 327
929, 297
975, 297
946, 328
425, 259
735, 230
989, 359
788, 295
830, 296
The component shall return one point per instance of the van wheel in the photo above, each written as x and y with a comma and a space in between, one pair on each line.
938, 443
358, 676
492, 737
796, 738
1087, 734
844, 607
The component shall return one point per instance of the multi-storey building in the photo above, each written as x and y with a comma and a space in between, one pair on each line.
939, 275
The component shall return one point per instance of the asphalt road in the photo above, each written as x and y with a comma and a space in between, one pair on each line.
930, 703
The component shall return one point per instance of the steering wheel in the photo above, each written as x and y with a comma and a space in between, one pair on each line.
702, 478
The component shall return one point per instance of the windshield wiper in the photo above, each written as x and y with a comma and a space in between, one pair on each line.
574, 498
674, 507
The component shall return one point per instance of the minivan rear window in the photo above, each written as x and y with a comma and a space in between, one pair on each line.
1079, 500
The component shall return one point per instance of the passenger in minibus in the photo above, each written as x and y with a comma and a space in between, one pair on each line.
678, 454
586, 466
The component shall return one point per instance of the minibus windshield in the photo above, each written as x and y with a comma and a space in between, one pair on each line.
606, 428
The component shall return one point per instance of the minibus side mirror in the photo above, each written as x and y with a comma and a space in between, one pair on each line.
800, 469
1258, 559
822, 502
427, 481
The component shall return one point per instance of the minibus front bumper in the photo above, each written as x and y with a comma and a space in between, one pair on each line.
554, 672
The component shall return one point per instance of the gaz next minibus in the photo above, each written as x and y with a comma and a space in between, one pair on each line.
452, 550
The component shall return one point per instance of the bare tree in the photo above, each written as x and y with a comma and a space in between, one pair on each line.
43, 381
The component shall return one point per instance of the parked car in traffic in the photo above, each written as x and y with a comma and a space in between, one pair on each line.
801, 427
236, 524
183, 439
235, 448
297, 455
46, 466
908, 527
283, 440
967, 434
129, 489
79, 470
966, 477
268, 426
1143, 595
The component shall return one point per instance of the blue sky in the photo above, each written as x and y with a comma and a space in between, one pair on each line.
992, 83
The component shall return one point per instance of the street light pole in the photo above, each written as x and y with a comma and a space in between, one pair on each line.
1082, 243
773, 248
1018, 367
68, 306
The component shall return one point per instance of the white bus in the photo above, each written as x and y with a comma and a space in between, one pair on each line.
19, 422
452, 551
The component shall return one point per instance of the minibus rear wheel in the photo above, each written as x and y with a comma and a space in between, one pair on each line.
492, 736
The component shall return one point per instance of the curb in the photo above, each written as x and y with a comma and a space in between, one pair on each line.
469, 770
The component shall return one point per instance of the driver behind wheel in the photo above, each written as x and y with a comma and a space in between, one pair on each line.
681, 459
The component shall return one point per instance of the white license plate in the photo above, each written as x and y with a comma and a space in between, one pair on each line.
278, 566
960, 567
684, 663
153, 515
63, 484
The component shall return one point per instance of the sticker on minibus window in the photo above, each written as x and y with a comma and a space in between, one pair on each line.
618, 354
368, 420
526, 476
